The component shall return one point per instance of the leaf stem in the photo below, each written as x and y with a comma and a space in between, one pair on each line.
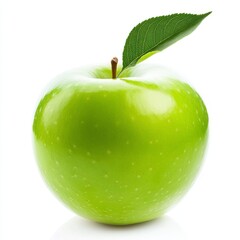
114, 63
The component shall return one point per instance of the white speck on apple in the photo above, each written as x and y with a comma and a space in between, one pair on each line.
88, 154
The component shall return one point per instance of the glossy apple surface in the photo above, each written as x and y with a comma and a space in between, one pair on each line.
120, 151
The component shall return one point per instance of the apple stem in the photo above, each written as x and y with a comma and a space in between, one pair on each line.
114, 63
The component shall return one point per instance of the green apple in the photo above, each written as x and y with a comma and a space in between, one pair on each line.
120, 151
122, 145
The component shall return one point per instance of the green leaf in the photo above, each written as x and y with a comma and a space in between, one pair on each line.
156, 34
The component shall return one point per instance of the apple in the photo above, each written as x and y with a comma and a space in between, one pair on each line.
120, 150
122, 145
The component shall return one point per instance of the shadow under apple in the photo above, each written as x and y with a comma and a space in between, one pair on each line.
77, 228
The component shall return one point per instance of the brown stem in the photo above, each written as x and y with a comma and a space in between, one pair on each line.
114, 63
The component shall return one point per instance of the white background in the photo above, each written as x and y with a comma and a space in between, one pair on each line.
40, 39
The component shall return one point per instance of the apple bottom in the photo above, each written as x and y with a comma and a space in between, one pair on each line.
117, 192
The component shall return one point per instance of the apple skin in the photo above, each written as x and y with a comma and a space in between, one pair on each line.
120, 151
